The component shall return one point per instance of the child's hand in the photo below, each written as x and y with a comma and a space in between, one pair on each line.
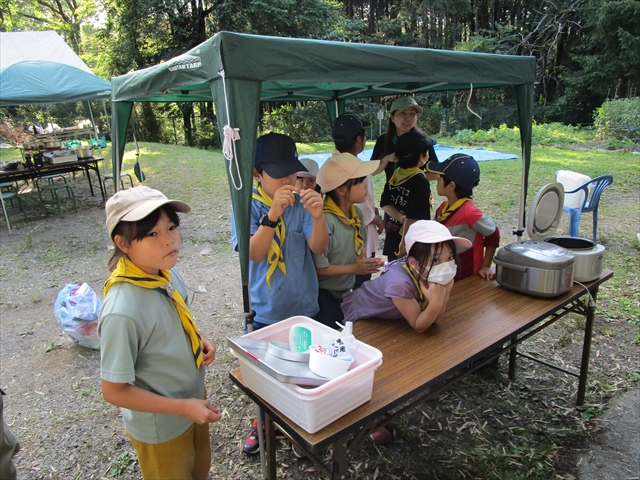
208, 350
312, 201
201, 411
435, 293
365, 266
402, 249
282, 199
486, 272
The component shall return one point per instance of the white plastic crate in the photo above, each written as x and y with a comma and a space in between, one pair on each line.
313, 408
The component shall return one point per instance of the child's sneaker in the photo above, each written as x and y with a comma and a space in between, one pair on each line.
251, 443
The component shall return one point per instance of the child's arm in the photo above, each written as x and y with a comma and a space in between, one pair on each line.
438, 296
485, 270
319, 239
361, 266
260, 241
129, 396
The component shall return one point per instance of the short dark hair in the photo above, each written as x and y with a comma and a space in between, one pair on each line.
137, 230
460, 191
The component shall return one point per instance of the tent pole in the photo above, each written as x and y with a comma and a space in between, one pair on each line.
95, 129
106, 116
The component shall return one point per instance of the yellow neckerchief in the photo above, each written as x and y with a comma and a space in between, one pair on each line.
275, 257
447, 211
423, 300
331, 207
129, 272
401, 175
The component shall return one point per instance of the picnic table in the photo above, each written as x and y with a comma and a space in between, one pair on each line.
86, 164
483, 320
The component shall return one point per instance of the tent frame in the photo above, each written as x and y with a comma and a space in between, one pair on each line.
238, 71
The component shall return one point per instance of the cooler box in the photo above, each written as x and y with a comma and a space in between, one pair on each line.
312, 408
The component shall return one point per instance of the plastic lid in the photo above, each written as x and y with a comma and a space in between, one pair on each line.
545, 212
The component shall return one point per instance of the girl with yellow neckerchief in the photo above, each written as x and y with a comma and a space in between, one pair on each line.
415, 287
407, 195
153, 357
341, 179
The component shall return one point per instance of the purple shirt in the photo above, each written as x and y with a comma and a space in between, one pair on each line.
375, 297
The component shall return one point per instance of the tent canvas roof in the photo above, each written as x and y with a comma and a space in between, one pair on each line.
238, 71
39, 67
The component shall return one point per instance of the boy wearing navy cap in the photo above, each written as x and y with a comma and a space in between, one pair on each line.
458, 175
285, 229
349, 136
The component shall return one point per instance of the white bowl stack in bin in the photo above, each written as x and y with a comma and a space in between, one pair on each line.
313, 408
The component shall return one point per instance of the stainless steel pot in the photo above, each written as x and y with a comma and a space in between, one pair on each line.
84, 152
589, 256
48, 144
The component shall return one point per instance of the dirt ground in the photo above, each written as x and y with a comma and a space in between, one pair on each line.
67, 431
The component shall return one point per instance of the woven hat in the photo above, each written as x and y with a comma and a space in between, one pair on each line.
430, 231
340, 167
134, 204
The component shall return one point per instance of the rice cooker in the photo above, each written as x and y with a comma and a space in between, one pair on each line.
546, 266
534, 266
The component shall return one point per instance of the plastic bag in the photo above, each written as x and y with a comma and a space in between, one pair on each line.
76, 310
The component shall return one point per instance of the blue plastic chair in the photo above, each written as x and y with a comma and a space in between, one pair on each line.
591, 193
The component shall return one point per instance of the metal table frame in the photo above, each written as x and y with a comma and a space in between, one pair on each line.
391, 393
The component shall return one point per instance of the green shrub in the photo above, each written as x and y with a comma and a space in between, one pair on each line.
618, 122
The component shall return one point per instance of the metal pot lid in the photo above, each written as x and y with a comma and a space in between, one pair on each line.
545, 212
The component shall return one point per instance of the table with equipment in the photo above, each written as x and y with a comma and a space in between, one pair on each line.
86, 164
483, 320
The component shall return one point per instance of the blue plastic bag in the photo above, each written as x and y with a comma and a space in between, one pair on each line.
76, 310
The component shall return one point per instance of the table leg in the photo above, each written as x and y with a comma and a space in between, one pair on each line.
512, 360
339, 467
270, 433
86, 169
104, 198
586, 348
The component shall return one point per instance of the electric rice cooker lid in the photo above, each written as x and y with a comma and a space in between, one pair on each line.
531, 253
545, 212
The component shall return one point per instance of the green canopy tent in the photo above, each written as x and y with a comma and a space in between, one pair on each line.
238, 71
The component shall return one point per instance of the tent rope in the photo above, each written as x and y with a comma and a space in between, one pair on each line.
230, 137
468, 100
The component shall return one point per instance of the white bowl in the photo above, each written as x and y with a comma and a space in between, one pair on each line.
328, 367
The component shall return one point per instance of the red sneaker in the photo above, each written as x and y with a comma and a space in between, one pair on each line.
251, 444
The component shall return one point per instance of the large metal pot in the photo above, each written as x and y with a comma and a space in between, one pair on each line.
589, 256
84, 152
49, 144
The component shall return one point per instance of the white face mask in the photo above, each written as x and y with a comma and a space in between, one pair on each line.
442, 273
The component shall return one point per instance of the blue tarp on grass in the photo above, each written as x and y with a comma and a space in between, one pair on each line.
443, 152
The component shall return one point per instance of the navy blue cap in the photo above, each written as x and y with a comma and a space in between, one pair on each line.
277, 155
348, 126
461, 168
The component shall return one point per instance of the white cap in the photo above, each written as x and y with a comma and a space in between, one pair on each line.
430, 231
311, 166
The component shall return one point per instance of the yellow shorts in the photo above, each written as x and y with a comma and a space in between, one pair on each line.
187, 456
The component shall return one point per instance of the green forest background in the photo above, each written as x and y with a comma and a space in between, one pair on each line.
587, 52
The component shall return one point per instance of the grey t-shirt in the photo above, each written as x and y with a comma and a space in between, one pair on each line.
341, 251
375, 297
142, 342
